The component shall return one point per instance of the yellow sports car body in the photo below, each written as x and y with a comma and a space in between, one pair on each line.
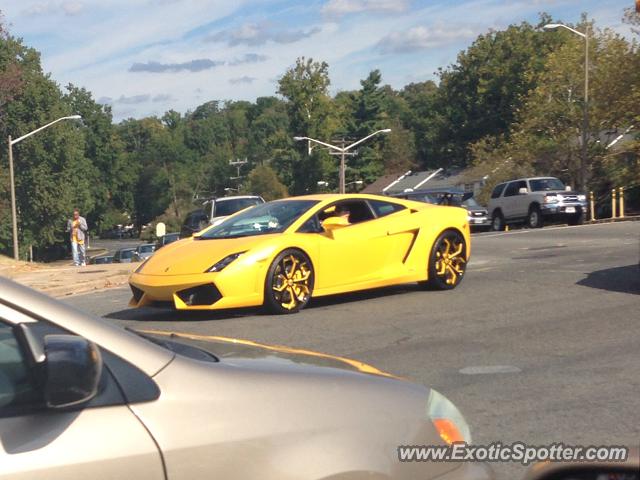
282, 253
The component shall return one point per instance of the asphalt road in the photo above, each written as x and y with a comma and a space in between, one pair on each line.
558, 308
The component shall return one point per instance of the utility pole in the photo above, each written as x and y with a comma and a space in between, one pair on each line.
238, 164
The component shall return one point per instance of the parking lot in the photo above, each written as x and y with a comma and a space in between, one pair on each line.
539, 343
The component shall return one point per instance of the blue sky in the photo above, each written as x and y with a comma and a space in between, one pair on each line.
147, 56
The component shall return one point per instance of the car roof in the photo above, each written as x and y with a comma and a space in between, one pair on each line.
456, 191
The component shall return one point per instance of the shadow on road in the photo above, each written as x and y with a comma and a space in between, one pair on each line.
617, 279
167, 313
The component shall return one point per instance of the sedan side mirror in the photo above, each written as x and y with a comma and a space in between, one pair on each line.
72, 370
523, 191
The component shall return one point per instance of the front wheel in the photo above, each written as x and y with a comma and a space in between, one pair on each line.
534, 219
448, 261
497, 221
289, 282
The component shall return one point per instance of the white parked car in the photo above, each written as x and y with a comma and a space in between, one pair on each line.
535, 201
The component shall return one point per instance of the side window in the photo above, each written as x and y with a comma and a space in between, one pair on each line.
512, 189
382, 208
17, 387
311, 226
497, 190
355, 211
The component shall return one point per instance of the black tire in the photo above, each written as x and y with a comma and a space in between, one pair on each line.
447, 261
534, 218
577, 219
497, 221
289, 283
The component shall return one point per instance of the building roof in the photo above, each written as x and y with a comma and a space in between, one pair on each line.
392, 184
377, 186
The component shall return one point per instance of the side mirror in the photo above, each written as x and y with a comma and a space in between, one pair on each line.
523, 191
72, 370
333, 223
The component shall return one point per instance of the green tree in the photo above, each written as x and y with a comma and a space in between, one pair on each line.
263, 181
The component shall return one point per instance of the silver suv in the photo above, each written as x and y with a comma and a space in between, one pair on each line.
534, 201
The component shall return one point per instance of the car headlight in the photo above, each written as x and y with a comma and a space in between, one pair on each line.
551, 199
447, 419
582, 198
224, 263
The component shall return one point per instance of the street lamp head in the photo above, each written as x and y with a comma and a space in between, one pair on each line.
552, 26
75, 117
297, 139
386, 130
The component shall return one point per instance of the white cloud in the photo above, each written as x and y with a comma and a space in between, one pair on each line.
258, 34
337, 8
422, 38
70, 8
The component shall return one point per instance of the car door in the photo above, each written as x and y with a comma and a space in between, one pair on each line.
102, 440
351, 254
510, 200
521, 200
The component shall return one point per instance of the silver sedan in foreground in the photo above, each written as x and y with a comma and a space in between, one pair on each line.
82, 398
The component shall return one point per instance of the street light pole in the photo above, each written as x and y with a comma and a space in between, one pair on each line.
14, 215
343, 151
582, 180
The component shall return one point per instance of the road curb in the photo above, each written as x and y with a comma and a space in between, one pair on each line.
84, 287
633, 218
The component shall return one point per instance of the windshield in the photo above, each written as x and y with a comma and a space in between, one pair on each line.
126, 254
546, 184
470, 202
272, 217
224, 208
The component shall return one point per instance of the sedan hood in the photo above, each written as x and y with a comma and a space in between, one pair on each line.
193, 255
234, 350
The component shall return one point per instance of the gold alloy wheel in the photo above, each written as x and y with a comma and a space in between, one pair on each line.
450, 261
291, 282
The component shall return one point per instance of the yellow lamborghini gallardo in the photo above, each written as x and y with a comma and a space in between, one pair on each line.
282, 253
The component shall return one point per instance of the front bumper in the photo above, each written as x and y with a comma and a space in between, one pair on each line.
479, 222
204, 291
563, 209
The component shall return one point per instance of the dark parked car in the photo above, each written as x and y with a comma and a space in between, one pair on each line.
477, 214
215, 211
124, 255
167, 239
101, 260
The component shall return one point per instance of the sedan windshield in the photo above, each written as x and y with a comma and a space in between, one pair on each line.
272, 217
470, 202
224, 208
546, 184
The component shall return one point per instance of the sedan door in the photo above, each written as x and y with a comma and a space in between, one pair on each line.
100, 440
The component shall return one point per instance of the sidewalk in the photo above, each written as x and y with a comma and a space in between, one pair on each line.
61, 279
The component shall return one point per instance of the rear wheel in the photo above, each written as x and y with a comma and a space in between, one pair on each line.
497, 221
448, 261
534, 219
289, 282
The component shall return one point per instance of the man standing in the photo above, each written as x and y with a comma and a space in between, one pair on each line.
77, 227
